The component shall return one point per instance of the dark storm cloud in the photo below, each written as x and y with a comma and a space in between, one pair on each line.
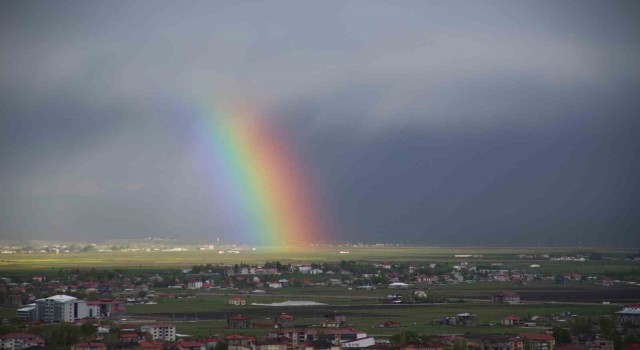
450, 123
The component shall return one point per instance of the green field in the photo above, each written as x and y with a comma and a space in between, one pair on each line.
159, 259
211, 312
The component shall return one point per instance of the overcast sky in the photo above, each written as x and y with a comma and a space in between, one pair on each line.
433, 122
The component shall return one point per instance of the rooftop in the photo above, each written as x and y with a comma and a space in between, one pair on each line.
61, 298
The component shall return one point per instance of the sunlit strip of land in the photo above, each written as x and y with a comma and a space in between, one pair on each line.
415, 254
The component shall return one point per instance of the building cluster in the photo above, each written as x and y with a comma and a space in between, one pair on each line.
65, 308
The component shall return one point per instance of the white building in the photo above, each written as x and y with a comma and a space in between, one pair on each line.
194, 285
398, 285
163, 332
630, 314
27, 313
359, 343
61, 308
304, 268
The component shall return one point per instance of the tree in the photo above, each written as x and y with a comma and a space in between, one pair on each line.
595, 256
405, 337
88, 331
561, 335
88, 249
460, 344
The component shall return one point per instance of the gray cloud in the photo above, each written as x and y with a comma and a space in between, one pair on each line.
435, 122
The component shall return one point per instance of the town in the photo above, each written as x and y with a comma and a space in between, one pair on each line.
464, 301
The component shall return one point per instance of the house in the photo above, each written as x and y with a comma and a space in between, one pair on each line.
210, 343
19, 341
389, 324
607, 281
106, 308
143, 344
427, 279
161, 331
335, 282
506, 297
511, 321
420, 346
264, 324
267, 271
239, 321
315, 272
539, 341
271, 344
319, 345
501, 277
600, 344
502, 343
275, 284
236, 300
304, 269
464, 319
189, 345
335, 336
335, 319
420, 294
194, 285
630, 314
89, 346
129, 337
239, 342
285, 320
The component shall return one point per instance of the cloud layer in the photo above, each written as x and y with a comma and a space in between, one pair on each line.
451, 123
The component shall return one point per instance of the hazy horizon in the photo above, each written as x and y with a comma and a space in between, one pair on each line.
431, 123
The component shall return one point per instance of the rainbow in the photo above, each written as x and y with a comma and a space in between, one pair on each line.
262, 188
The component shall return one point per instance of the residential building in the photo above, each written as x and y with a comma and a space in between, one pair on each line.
271, 344
27, 313
19, 341
359, 343
304, 268
239, 321
599, 344
236, 300
539, 341
334, 320
336, 336
161, 331
319, 345
189, 345
511, 320
285, 320
89, 346
630, 314
61, 308
463, 319
506, 298
194, 285
106, 308
239, 342
502, 343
